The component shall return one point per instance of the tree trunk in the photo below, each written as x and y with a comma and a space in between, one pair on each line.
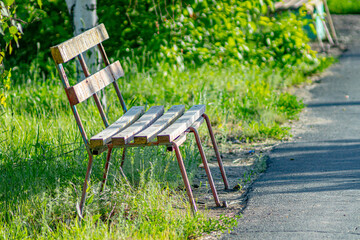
83, 16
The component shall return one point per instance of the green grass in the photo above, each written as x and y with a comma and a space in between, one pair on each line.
43, 160
42, 167
344, 6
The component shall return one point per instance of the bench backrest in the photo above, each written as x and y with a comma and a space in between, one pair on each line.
92, 83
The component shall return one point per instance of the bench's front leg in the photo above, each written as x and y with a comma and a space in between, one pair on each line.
108, 156
184, 176
87, 177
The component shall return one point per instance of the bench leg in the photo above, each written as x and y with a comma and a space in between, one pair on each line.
123, 157
206, 166
87, 176
108, 156
184, 176
218, 157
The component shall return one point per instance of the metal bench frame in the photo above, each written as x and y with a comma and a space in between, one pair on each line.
88, 87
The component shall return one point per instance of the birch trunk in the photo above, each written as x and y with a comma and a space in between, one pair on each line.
83, 16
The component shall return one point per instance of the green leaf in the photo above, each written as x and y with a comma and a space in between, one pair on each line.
9, 2
2, 55
16, 41
10, 48
13, 30
39, 3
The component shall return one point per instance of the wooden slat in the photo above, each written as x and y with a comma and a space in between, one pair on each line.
163, 122
180, 139
124, 121
146, 120
285, 4
71, 48
295, 4
94, 83
180, 125
198, 123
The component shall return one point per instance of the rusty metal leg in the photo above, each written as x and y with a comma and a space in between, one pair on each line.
332, 28
184, 176
108, 156
206, 166
328, 35
218, 157
87, 176
123, 157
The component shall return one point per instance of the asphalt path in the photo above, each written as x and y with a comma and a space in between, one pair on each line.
311, 189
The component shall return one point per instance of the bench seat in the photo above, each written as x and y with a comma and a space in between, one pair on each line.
137, 127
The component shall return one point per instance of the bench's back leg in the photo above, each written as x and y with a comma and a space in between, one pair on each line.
206, 166
116, 86
218, 157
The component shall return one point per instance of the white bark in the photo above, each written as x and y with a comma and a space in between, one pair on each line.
83, 16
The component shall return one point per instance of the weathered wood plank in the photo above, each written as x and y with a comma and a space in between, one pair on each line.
180, 125
163, 122
198, 123
71, 48
295, 4
180, 139
285, 4
104, 137
94, 83
146, 120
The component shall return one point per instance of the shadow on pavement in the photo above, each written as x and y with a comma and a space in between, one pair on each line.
313, 167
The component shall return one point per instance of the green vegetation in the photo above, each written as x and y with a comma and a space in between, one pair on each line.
344, 6
234, 56
11, 31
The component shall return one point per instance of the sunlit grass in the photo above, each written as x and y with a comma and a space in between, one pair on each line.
43, 159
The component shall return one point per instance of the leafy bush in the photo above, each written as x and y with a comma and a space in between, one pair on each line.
178, 34
11, 31
237, 32
43, 27
222, 32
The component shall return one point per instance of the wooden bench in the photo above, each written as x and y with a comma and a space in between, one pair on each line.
135, 128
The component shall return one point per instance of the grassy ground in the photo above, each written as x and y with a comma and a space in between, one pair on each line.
344, 6
43, 160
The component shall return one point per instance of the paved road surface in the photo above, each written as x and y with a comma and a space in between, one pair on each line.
311, 189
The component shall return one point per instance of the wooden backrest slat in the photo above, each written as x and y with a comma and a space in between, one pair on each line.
94, 83
71, 48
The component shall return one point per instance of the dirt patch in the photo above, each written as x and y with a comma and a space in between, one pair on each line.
243, 164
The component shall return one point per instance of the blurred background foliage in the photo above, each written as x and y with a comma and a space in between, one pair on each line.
344, 6
177, 33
